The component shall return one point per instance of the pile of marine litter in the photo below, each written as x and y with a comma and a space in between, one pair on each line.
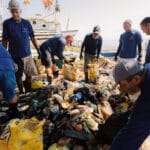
65, 115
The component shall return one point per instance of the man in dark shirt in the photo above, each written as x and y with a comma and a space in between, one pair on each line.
16, 36
54, 47
133, 77
145, 26
130, 40
91, 47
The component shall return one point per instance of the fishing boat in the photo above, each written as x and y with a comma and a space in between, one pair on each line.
44, 25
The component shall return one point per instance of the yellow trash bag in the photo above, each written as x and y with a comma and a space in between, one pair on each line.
69, 72
39, 66
3, 145
24, 135
93, 71
37, 85
57, 147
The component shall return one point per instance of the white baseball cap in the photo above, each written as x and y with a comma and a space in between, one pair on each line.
13, 4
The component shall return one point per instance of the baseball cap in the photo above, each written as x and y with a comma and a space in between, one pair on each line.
13, 4
125, 69
96, 29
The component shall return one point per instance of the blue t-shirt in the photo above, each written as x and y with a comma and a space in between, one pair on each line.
129, 42
55, 46
6, 62
147, 56
18, 36
138, 127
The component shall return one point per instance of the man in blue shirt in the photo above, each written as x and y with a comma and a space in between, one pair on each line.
17, 33
133, 77
145, 26
130, 40
91, 47
54, 47
7, 76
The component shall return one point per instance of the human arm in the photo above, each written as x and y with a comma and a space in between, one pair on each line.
139, 43
119, 48
34, 42
82, 47
99, 47
5, 35
33, 39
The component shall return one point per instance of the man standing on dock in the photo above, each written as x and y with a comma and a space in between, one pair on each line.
17, 33
129, 41
92, 47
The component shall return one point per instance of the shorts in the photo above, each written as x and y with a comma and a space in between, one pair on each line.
25, 65
87, 59
47, 58
8, 84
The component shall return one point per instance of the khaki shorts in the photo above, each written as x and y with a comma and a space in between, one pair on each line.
29, 66
25, 66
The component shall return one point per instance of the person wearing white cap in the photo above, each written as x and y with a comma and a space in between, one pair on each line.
16, 36
130, 41
133, 77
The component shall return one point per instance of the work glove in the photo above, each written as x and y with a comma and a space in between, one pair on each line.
81, 56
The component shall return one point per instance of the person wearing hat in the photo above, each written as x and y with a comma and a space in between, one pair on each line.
91, 47
54, 47
16, 36
133, 77
145, 26
130, 41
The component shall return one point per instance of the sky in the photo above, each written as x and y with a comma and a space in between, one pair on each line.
85, 14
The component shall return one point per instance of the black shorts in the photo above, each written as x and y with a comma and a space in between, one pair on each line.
47, 58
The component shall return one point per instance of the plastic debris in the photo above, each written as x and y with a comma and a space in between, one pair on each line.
76, 114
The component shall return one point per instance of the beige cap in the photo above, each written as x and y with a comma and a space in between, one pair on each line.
13, 4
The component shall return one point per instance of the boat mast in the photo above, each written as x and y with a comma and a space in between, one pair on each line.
56, 11
67, 26
1, 11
